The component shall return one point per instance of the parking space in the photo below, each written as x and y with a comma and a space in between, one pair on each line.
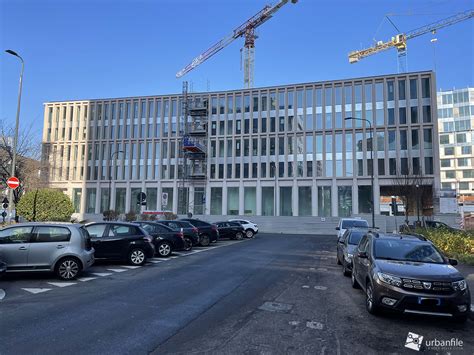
20, 285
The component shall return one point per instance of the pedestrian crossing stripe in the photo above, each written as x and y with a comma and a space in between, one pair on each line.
36, 290
62, 284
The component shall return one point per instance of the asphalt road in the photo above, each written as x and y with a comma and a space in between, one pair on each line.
275, 294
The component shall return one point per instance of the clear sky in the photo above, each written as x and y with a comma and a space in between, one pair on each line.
83, 49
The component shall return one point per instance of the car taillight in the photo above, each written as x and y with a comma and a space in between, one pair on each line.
181, 234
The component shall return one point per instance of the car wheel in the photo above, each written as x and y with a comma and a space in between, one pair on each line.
239, 236
68, 268
370, 302
461, 319
205, 241
188, 244
354, 282
164, 249
345, 270
136, 256
249, 233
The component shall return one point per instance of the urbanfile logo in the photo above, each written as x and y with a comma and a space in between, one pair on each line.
414, 341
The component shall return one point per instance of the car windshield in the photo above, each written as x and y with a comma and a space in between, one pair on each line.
355, 237
355, 223
406, 250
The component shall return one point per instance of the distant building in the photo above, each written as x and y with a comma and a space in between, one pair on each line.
456, 138
275, 151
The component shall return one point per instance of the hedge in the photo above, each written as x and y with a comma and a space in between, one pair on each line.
42, 205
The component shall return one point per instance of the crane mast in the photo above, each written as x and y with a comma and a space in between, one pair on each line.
399, 41
247, 30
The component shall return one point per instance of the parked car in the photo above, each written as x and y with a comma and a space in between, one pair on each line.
232, 230
190, 232
208, 232
408, 274
250, 228
63, 248
441, 225
346, 223
3, 267
346, 246
165, 239
121, 241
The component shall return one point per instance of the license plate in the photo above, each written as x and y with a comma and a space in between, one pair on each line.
429, 301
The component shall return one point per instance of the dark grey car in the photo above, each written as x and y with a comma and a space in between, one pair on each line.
346, 246
64, 248
408, 274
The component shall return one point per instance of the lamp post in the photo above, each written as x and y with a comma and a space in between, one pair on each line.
17, 123
110, 175
373, 164
273, 168
418, 202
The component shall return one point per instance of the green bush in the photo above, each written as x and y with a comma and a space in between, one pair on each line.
130, 216
43, 205
452, 244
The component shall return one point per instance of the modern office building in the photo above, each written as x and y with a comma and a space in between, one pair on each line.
456, 136
290, 150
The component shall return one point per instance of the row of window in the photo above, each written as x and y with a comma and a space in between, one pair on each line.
456, 126
464, 150
462, 185
460, 162
456, 112
459, 138
452, 174
455, 97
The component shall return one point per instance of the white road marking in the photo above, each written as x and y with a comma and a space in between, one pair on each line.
155, 261
62, 284
130, 266
314, 325
294, 322
173, 257
2, 294
36, 290
320, 288
305, 286
84, 279
102, 273
117, 270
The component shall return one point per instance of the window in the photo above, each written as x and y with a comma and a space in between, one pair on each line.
464, 162
445, 163
96, 230
461, 138
466, 149
401, 90
444, 139
449, 151
402, 115
466, 174
413, 89
450, 174
15, 235
414, 114
118, 230
463, 186
428, 138
425, 88
51, 235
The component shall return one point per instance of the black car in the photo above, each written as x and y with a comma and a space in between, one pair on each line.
232, 230
120, 241
346, 246
408, 274
208, 232
190, 232
165, 239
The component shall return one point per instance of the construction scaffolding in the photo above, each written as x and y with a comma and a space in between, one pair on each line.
193, 154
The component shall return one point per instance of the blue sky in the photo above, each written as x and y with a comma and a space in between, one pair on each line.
83, 49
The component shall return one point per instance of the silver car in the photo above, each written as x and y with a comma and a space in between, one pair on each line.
63, 248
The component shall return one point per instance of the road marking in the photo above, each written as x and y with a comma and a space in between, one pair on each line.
36, 290
312, 268
62, 284
117, 270
2, 294
320, 288
84, 279
130, 266
155, 261
314, 325
305, 286
178, 253
102, 273
294, 322
173, 257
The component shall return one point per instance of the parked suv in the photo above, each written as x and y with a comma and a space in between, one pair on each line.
61, 248
408, 274
190, 232
250, 228
207, 232
121, 241
346, 246
346, 223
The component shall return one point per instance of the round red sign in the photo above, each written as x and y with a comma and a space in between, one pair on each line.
13, 182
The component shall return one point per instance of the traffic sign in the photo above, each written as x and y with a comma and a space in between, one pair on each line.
141, 199
13, 182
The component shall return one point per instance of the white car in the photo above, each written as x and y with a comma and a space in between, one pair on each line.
250, 228
346, 223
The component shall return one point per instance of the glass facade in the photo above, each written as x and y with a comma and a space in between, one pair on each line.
285, 150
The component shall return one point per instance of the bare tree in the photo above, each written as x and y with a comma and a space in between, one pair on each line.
28, 166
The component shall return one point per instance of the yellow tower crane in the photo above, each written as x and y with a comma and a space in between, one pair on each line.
400, 40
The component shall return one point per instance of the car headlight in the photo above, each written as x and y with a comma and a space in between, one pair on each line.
389, 279
460, 285
349, 257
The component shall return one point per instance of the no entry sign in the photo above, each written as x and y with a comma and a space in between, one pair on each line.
13, 182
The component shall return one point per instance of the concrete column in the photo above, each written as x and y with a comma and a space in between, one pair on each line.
241, 198
224, 199
314, 199
258, 196
377, 196
190, 207
355, 198
294, 198
207, 205
97, 199
334, 204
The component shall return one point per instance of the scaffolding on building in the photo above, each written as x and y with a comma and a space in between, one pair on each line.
193, 153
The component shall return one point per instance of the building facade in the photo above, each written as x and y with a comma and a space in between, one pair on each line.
290, 150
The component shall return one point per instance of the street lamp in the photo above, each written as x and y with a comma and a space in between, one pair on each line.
110, 175
17, 123
273, 168
373, 164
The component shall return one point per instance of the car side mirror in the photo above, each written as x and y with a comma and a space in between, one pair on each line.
453, 262
337, 228
362, 254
